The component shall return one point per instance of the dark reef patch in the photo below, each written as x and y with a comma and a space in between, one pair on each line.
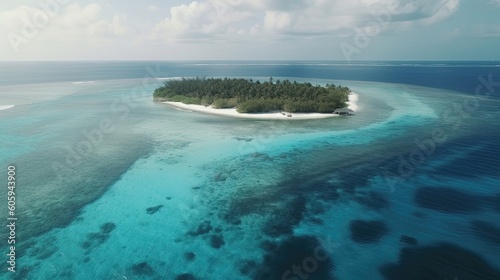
245, 139
482, 155
282, 211
203, 228
22, 273
217, 241
316, 207
220, 177
46, 253
269, 246
242, 207
284, 218
447, 200
66, 273
261, 156
189, 256
486, 232
330, 196
444, 261
315, 220
23, 248
304, 252
235, 222
95, 239
43, 249
326, 191
373, 200
185, 276
247, 267
154, 209
142, 268
408, 240
108, 227
356, 178
367, 231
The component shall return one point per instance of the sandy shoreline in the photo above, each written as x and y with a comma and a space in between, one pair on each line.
352, 104
5, 107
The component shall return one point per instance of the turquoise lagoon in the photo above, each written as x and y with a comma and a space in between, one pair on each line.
112, 185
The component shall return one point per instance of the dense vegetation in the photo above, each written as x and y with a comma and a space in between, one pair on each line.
250, 96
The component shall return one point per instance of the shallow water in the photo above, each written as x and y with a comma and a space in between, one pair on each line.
114, 186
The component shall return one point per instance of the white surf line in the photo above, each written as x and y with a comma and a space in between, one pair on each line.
5, 107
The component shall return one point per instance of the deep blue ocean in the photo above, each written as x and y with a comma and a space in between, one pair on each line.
111, 185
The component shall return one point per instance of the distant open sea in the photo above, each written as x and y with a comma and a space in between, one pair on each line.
111, 185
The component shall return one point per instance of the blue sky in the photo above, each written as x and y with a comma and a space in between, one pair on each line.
250, 30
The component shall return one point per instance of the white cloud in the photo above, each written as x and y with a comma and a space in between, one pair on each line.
441, 11
36, 29
216, 26
86, 21
210, 18
277, 20
201, 18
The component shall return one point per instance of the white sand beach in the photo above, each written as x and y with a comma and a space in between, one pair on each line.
5, 107
352, 104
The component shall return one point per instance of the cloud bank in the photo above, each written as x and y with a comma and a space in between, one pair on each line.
212, 18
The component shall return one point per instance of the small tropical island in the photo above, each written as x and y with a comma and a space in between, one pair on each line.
254, 99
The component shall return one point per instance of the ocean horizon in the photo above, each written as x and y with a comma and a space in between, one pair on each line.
112, 185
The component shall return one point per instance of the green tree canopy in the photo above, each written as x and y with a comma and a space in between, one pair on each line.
250, 96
